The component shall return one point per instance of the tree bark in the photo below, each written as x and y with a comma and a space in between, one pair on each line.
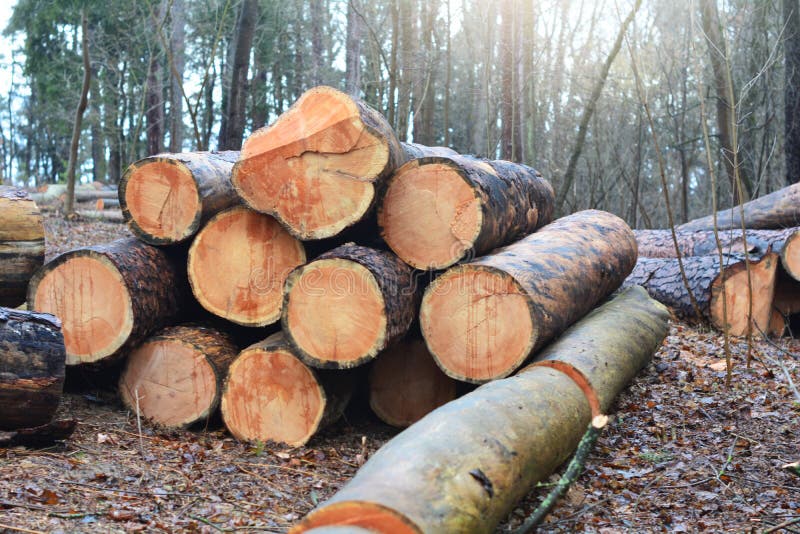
507, 83
791, 89
483, 319
110, 297
346, 306
270, 395
178, 53
175, 377
439, 210
32, 359
502, 438
21, 244
353, 51
239, 86
69, 206
165, 199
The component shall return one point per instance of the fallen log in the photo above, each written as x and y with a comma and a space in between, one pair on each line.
346, 306
779, 209
463, 467
270, 395
32, 360
786, 242
112, 216
238, 263
175, 377
109, 297
90, 194
482, 319
661, 277
106, 203
167, 198
21, 244
439, 210
405, 384
317, 167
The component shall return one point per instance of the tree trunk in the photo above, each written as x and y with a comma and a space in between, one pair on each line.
349, 304
424, 105
237, 94
779, 209
175, 377
238, 263
501, 439
507, 83
31, 368
662, 279
21, 244
408, 62
270, 395
353, 51
69, 206
482, 319
405, 384
109, 297
317, 22
178, 52
318, 166
439, 210
167, 198
154, 91
791, 89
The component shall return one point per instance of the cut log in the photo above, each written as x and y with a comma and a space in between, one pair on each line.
32, 357
780, 209
482, 319
437, 211
109, 297
662, 279
238, 263
787, 294
270, 395
106, 203
112, 216
777, 324
349, 304
786, 242
90, 194
463, 467
21, 244
167, 198
416, 151
405, 384
317, 167
175, 377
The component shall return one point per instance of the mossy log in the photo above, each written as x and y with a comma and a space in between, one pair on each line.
271, 395
238, 263
166, 198
349, 304
482, 319
779, 209
21, 244
175, 377
463, 467
662, 279
110, 297
439, 210
32, 358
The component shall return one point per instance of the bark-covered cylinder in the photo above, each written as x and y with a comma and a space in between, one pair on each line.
21, 244
482, 319
32, 358
463, 467
166, 198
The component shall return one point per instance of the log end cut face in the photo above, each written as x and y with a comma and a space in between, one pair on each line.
790, 255
161, 200
405, 384
477, 323
169, 382
270, 395
362, 514
730, 293
335, 313
87, 293
430, 215
313, 168
238, 263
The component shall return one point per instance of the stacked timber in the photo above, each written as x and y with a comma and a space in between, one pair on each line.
21, 244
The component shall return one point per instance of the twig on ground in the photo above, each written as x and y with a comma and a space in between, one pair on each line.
783, 525
209, 523
18, 529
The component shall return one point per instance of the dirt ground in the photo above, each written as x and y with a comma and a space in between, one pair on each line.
683, 453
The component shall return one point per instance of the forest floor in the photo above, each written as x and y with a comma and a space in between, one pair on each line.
683, 453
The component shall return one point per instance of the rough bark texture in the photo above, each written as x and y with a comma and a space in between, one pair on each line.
21, 244
341, 153
482, 319
177, 393
32, 360
463, 467
309, 299
153, 284
507, 201
416, 151
163, 205
269, 389
779, 209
